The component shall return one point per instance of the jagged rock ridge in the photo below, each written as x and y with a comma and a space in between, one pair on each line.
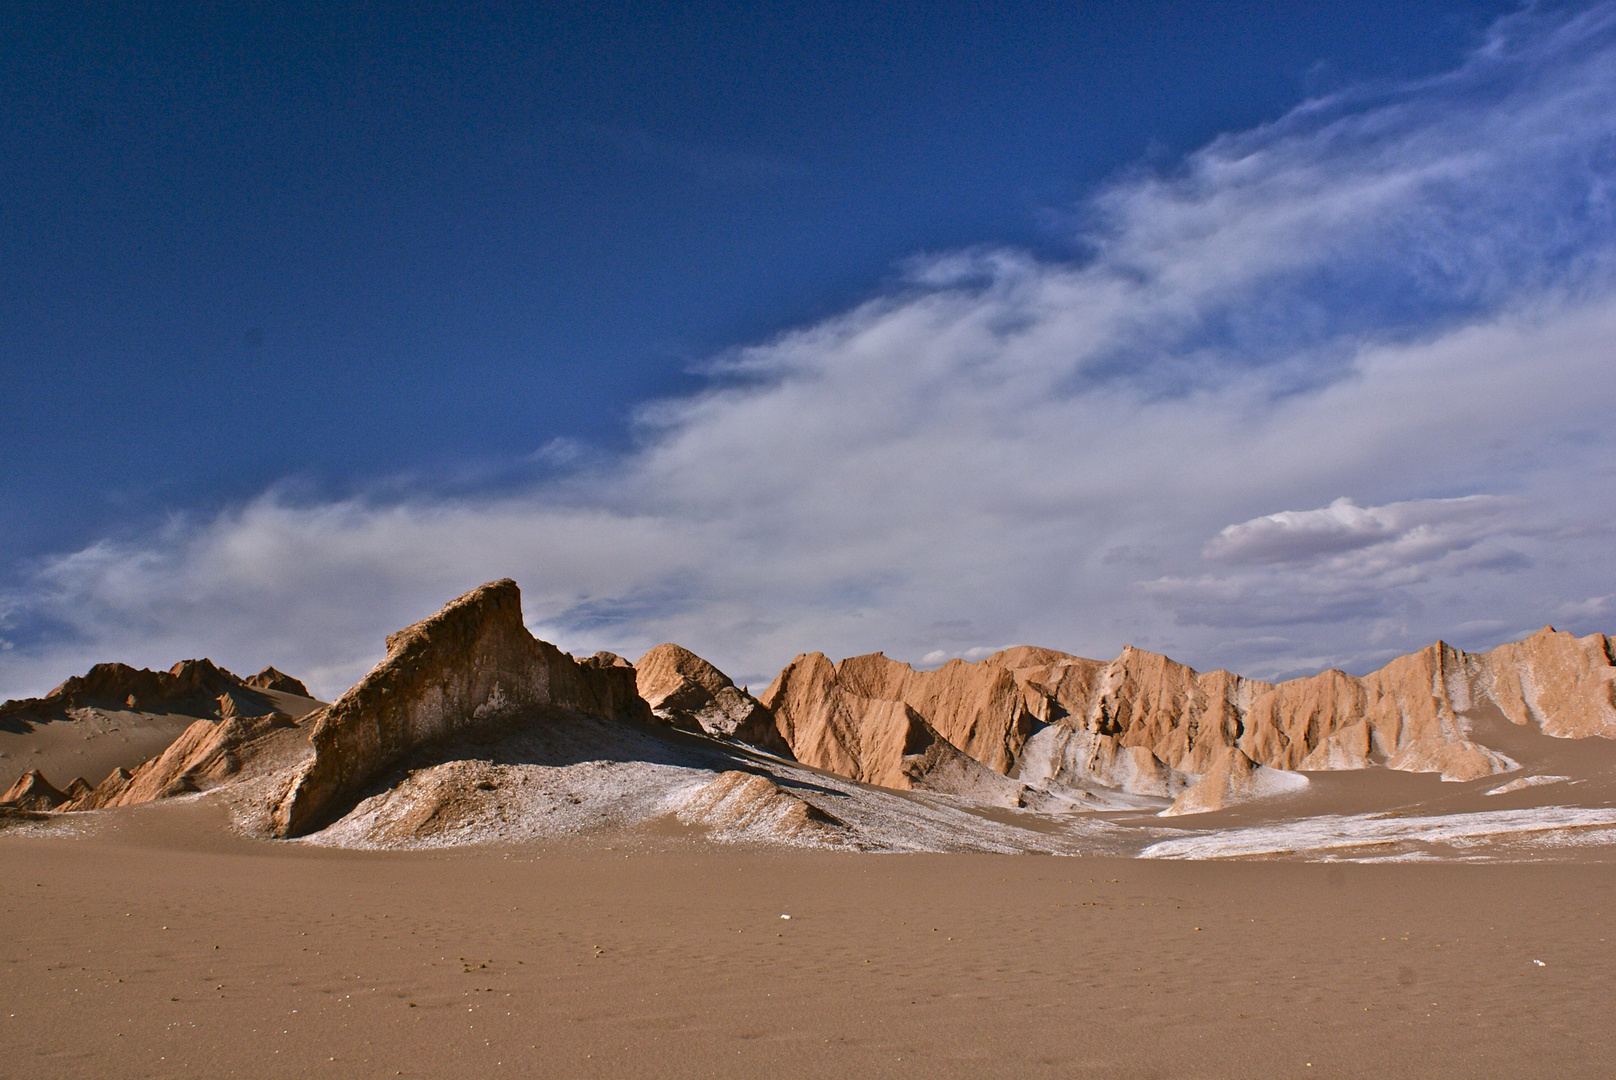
191, 688
1147, 724
1026, 727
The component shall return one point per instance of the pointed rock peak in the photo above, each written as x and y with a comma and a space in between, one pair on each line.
495, 601
688, 692
272, 679
471, 665
667, 664
33, 792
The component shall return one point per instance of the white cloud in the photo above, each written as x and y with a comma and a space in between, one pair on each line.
1372, 540
1404, 299
1595, 607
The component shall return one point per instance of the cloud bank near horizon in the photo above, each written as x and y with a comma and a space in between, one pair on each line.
1332, 388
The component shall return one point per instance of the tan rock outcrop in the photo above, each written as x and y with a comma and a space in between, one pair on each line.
978, 708
688, 692
473, 664
1234, 778
271, 679
1564, 684
880, 741
33, 792
208, 753
105, 793
197, 688
739, 804
1145, 713
822, 710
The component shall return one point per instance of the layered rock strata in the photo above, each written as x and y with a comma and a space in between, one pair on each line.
473, 664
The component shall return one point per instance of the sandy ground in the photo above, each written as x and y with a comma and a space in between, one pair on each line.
156, 944
93, 742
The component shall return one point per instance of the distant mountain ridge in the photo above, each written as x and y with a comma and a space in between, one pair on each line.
1135, 721
1026, 728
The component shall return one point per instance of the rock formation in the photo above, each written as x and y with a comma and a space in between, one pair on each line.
1146, 724
979, 709
270, 679
1071, 760
1234, 778
1564, 684
1026, 727
33, 792
197, 688
754, 806
688, 692
473, 664
104, 794
144, 702
205, 755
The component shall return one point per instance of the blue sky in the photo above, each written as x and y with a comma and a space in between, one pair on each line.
1265, 337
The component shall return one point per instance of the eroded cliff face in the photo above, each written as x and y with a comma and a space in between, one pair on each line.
688, 692
472, 664
1146, 724
861, 717
1564, 684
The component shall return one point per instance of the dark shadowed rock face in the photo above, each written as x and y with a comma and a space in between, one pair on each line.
473, 664
189, 688
271, 679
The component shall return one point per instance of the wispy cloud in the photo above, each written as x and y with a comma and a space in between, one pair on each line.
1369, 539
1393, 310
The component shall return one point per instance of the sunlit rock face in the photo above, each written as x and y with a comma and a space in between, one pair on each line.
472, 664
688, 692
1148, 725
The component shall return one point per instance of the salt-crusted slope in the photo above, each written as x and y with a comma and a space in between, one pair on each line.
1234, 778
471, 665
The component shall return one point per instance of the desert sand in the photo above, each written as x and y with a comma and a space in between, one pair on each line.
159, 944
489, 857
